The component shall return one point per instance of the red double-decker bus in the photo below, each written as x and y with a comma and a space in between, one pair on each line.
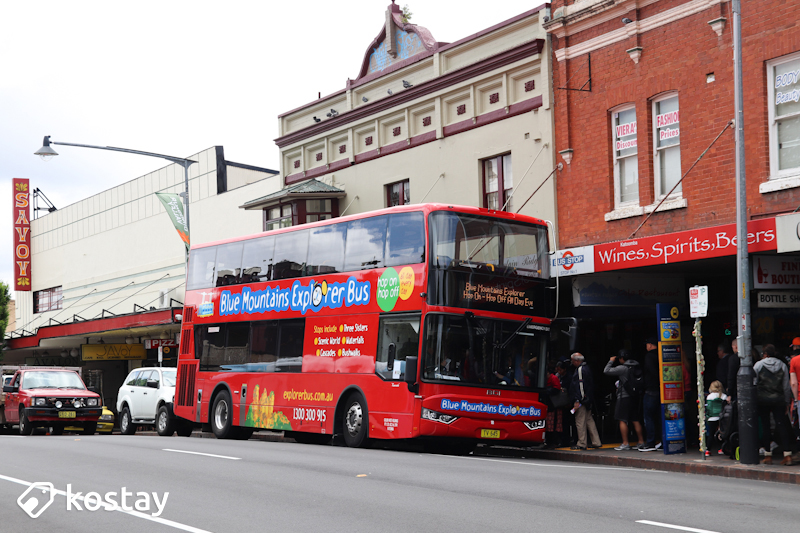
415, 321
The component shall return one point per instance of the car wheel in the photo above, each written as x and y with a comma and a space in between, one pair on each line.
25, 427
222, 416
165, 425
126, 426
355, 421
89, 429
57, 430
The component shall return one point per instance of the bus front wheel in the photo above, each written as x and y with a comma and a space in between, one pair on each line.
221, 416
355, 421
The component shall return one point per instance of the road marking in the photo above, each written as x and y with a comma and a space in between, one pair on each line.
672, 526
12, 436
107, 506
556, 466
206, 454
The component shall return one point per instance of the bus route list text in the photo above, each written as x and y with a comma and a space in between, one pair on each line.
298, 297
501, 295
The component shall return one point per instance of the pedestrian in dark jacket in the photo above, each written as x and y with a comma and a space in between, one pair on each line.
733, 370
627, 410
581, 391
774, 396
651, 402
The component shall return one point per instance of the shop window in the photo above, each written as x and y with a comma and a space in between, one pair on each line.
47, 300
783, 80
278, 217
498, 182
398, 194
626, 158
667, 145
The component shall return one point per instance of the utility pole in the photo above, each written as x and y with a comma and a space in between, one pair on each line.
745, 386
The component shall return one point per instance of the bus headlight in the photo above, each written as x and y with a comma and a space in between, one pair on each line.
438, 417
535, 424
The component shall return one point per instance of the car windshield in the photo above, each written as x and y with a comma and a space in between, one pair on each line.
479, 351
169, 377
52, 380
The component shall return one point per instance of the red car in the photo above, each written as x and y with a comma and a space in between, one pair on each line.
51, 397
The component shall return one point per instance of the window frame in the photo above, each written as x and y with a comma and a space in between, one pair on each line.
500, 181
290, 217
54, 297
618, 203
405, 189
658, 194
772, 120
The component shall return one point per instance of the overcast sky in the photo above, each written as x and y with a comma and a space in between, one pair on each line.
176, 77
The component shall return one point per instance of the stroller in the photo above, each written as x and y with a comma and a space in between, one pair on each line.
728, 432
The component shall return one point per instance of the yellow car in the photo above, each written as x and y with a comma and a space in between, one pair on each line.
104, 424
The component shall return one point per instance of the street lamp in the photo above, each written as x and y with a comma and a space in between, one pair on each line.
47, 153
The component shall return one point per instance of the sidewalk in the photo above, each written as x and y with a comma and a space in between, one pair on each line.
688, 463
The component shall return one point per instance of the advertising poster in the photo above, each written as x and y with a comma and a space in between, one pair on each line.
670, 365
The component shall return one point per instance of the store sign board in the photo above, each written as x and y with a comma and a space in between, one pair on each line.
670, 365
787, 229
21, 213
112, 352
704, 243
776, 272
573, 261
778, 299
152, 344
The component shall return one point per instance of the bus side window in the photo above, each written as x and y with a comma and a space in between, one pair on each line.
403, 332
405, 239
201, 268
290, 345
257, 260
210, 346
229, 264
291, 252
366, 240
264, 353
326, 249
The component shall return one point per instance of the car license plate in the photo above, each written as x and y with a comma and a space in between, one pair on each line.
490, 433
66, 414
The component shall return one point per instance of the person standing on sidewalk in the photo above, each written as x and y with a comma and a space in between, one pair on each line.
628, 402
651, 401
774, 397
581, 391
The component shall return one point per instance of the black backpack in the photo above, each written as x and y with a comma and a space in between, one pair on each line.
770, 387
634, 385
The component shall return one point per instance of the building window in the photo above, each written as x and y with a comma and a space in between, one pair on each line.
667, 147
784, 115
626, 160
498, 182
278, 217
47, 300
398, 194
319, 210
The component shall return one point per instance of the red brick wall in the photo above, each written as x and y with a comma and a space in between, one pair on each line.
676, 57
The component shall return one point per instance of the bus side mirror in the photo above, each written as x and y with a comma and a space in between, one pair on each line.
411, 373
392, 353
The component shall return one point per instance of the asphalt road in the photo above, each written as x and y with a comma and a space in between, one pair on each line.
284, 486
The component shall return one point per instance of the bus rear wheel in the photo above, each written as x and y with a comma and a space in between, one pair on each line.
355, 421
221, 416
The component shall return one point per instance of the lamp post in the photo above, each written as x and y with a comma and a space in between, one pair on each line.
47, 153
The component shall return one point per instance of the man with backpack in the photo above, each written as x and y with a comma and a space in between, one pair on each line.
774, 396
630, 386
651, 400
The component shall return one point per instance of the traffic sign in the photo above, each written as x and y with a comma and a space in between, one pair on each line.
698, 301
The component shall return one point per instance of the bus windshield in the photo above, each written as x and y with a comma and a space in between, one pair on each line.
469, 242
479, 351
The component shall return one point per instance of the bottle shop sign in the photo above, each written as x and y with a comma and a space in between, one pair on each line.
775, 272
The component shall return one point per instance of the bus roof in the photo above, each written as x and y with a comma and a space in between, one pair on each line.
426, 208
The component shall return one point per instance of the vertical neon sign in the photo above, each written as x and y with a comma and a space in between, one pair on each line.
22, 234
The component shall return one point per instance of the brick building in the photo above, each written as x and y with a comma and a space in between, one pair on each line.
641, 89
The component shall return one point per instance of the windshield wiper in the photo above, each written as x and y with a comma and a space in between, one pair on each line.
511, 337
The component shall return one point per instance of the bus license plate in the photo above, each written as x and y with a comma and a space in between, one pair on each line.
490, 433
66, 414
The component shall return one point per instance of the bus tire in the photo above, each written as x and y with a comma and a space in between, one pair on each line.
222, 416
165, 424
126, 426
355, 421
